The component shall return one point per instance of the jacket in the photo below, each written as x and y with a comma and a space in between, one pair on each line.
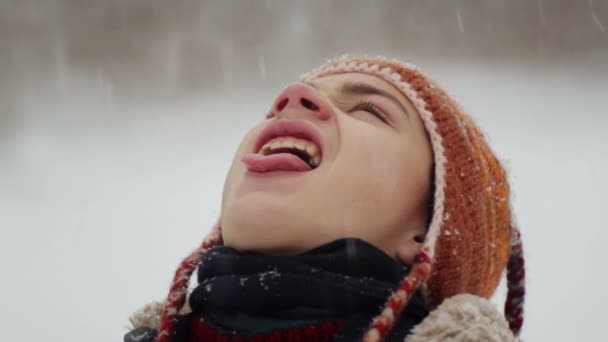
461, 318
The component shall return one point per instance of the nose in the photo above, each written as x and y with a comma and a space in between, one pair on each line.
302, 98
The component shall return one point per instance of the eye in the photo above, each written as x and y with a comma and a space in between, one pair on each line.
371, 108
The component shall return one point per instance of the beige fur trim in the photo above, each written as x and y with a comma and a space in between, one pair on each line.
149, 316
463, 318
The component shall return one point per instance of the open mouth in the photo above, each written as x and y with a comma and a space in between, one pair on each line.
286, 145
305, 150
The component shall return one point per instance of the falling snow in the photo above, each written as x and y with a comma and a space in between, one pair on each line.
541, 13
262, 67
459, 20
596, 20
446, 216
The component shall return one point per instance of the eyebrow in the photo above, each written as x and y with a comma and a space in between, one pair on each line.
359, 88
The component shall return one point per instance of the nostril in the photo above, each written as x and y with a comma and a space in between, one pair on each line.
309, 104
282, 104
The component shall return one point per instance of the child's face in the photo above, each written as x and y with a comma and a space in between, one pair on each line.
373, 181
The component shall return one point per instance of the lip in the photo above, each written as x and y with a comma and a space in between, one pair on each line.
290, 127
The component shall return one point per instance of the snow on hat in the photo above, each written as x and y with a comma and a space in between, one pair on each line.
471, 239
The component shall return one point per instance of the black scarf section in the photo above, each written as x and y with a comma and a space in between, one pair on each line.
345, 279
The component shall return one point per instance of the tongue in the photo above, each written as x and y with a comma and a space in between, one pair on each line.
274, 162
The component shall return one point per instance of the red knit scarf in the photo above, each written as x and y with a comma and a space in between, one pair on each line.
202, 330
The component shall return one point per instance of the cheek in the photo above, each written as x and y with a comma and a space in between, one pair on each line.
383, 176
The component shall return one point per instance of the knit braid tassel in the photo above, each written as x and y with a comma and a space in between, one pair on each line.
179, 289
516, 290
383, 323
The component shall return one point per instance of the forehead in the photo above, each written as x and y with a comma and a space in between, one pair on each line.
332, 83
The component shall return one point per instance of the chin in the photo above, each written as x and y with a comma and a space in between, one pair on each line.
265, 227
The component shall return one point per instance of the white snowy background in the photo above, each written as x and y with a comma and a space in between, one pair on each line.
118, 120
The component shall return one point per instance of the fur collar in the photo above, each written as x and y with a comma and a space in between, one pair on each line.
461, 318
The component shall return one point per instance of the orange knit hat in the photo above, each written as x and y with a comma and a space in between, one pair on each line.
471, 239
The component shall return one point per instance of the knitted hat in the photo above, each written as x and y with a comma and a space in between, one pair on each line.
471, 238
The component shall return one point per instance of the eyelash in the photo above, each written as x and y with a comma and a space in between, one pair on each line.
372, 109
363, 105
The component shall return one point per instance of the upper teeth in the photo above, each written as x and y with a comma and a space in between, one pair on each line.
290, 142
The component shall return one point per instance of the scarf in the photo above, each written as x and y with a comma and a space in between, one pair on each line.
347, 280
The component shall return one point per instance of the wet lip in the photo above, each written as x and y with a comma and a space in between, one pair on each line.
289, 127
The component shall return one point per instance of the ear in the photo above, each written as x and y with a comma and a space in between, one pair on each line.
410, 244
